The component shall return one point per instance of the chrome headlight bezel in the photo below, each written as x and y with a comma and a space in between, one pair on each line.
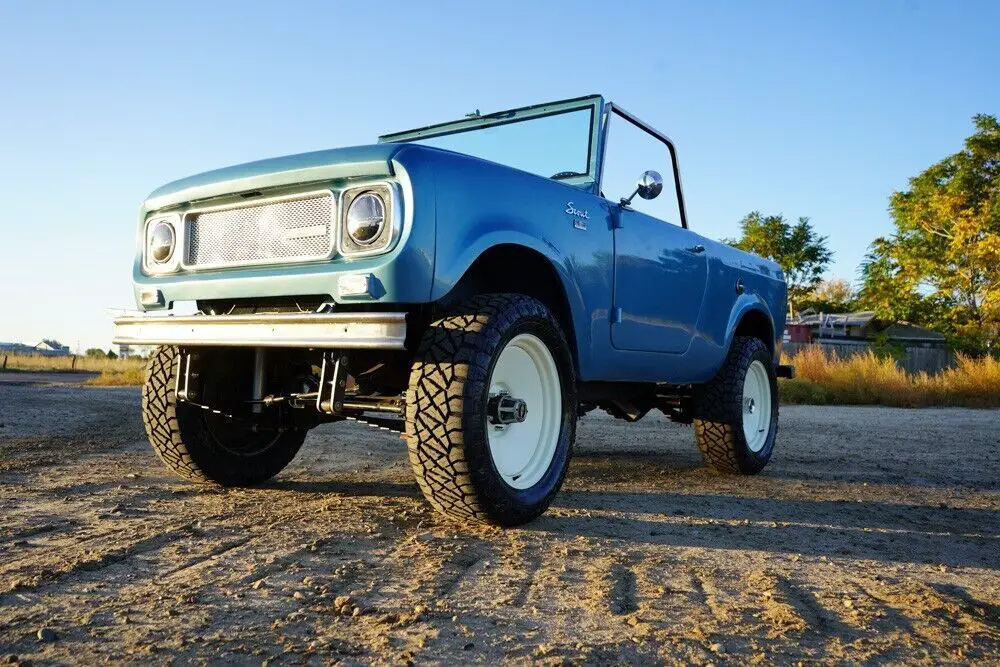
171, 264
375, 224
387, 236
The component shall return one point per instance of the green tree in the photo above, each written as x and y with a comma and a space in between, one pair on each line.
95, 352
797, 248
941, 267
830, 296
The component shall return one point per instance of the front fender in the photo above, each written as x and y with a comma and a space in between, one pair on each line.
482, 205
450, 270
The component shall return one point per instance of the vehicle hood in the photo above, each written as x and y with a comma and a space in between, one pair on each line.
373, 161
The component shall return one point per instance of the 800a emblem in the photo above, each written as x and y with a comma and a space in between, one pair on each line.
580, 216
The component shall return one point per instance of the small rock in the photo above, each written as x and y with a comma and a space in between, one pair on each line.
356, 611
46, 635
419, 610
257, 584
848, 603
469, 647
298, 595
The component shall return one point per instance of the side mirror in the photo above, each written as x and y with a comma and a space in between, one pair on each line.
649, 187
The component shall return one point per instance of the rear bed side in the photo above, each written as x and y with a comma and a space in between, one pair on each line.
746, 294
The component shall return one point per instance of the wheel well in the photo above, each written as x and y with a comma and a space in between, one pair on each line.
755, 323
514, 268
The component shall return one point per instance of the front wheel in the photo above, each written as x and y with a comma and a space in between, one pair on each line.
736, 413
491, 410
201, 445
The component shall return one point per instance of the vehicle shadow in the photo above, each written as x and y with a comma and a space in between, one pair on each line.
345, 487
861, 530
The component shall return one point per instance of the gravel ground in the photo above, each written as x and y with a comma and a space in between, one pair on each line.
873, 536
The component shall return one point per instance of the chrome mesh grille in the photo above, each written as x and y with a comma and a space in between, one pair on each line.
269, 232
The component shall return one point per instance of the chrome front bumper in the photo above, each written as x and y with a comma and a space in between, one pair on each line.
317, 330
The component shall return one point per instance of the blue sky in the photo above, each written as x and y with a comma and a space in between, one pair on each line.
803, 108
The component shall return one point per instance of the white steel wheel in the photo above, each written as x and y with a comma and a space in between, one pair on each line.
756, 406
525, 411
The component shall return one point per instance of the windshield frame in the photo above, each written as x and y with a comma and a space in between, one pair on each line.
595, 103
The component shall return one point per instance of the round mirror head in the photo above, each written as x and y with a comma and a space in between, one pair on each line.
650, 185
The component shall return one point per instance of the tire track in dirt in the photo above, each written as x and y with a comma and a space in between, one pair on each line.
519, 573
58, 567
933, 612
807, 606
623, 593
463, 564
10, 540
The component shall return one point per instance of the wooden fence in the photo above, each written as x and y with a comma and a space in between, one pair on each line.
916, 359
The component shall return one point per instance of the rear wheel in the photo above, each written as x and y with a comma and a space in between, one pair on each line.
491, 410
736, 413
205, 447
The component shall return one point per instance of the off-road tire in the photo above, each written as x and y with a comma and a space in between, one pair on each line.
182, 438
446, 418
718, 406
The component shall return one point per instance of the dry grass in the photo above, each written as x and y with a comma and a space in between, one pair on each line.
113, 372
125, 377
866, 379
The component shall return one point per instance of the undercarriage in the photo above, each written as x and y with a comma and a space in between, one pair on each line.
305, 388
296, 388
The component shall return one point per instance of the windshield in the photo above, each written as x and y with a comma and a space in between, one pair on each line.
548, 140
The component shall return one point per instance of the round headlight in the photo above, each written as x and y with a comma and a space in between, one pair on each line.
161, 242
366, 218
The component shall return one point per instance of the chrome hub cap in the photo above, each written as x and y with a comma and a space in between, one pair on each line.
756, 406
524, 411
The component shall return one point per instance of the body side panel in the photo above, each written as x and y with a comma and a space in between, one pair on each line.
763, 289
659, 284
481, 204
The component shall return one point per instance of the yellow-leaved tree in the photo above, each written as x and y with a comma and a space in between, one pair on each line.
941, 268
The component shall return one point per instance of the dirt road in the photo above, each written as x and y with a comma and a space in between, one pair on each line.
874, 535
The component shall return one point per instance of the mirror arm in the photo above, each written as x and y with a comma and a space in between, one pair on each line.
627, 201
